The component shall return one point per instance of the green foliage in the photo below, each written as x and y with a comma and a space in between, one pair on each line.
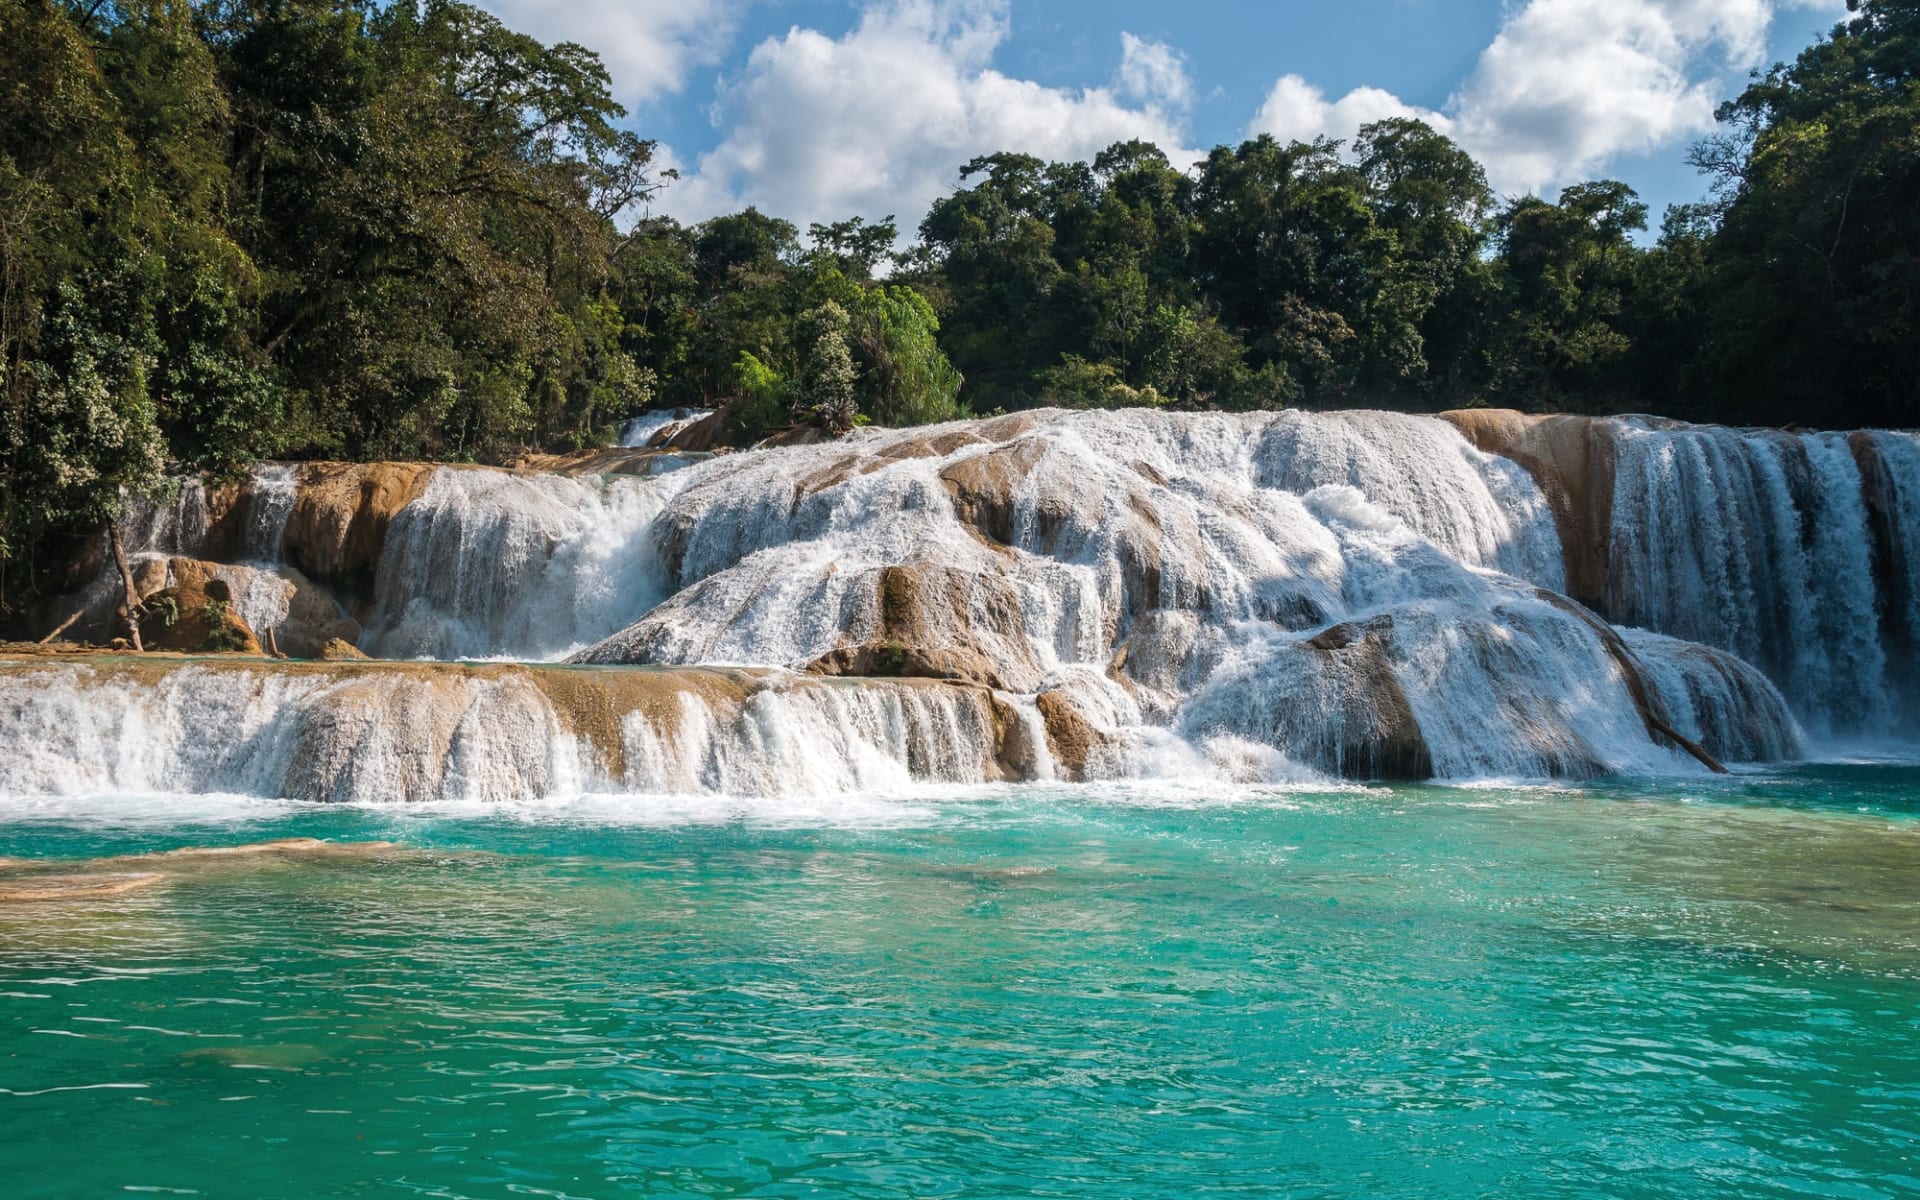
222, 635
904, 378
1567, 271
825, 390
1809, 283
763, 401
1077, 383
232, 229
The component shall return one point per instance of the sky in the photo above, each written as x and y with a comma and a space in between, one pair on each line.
817, 110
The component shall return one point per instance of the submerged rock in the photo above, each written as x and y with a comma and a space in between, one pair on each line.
28, 881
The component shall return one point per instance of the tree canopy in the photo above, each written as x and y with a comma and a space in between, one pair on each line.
235, 229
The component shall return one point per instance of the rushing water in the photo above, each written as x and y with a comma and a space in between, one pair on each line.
1764, 544
1180, 576
1636, 990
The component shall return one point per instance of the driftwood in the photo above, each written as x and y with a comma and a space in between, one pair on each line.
65, 625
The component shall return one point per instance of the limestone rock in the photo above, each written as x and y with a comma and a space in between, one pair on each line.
340, 516
937, 622
339, 650
1072, 738
1572, 459
196, 615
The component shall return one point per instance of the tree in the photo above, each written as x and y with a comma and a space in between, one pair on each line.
1566, 273
1815, 267
827, 373
82, 226
904, 378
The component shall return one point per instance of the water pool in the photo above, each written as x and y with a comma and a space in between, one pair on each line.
1630, 990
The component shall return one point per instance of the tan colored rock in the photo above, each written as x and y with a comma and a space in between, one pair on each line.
314, 618
938, 622
614, 460
340, 516
1378, 736
339, 650
708, 433
1571, 458
984, 486
1071, 737
798, 435
196, 615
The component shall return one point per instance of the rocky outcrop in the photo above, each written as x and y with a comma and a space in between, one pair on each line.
1072, 739
300, 615
1572, 459
1645, 699
936, 622
1712, 704
1375, 734
707, 433
340, 516
196, 614
644, 462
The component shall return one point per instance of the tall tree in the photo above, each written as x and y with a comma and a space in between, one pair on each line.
1816, 264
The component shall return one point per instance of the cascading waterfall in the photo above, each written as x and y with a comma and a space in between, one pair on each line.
1760, 543
1254, 598
174, 523
1212, 553
271, 492
487, 564
664, 422
398, 732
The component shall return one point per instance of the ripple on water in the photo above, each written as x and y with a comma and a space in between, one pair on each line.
1034, 991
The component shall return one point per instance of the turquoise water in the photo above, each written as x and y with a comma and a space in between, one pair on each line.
1618, 992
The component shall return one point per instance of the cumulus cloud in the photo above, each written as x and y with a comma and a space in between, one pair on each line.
1296, 111
649, 46
1568, 85
818, 128
1154, 73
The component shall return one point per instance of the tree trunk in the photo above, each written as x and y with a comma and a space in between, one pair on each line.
126, 581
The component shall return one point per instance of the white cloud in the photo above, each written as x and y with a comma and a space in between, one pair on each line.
1154, 73
1295, 110
648, 46
876, 122
1567, 85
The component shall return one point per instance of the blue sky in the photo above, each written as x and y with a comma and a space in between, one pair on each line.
820, 109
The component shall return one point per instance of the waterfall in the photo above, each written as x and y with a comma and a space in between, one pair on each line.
1251, 598
175, 523
661, 423
271, 492
816, 740
1485, 511
1190, 572
381, 733
492, 564
1760, 543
